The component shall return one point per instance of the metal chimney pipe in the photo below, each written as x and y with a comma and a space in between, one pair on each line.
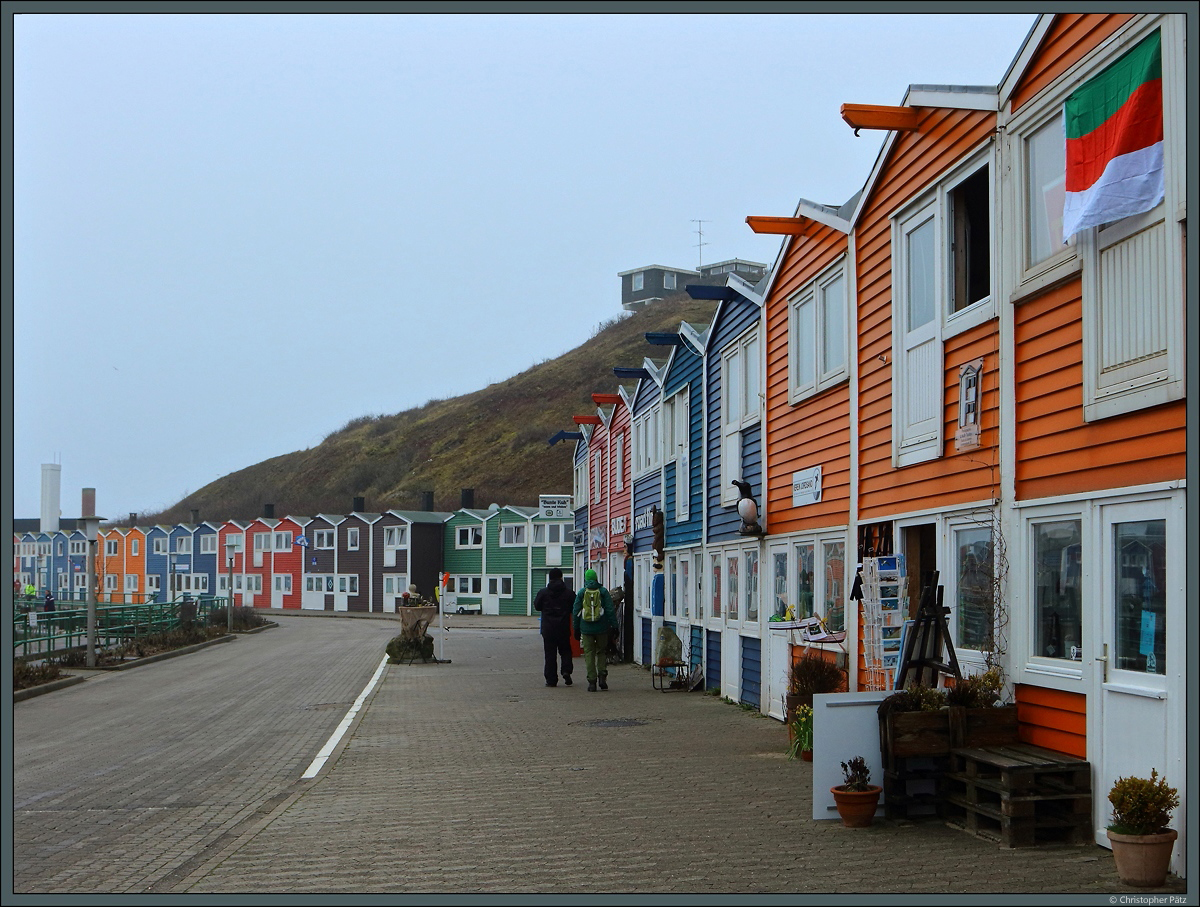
360, 505
468, 498
269, 511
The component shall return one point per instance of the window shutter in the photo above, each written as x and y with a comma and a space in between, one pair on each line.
683, 471
917, 364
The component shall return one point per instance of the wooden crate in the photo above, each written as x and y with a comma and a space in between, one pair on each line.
1018, 795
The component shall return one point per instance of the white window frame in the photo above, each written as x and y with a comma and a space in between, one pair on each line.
110, 582
208, 543
597, 476
740, 358
670, 280
111, 548
638, 281
282, 541
131, 582
183, 544
79, 546
323, 539
395, 536
469, 534
1155, 376
262, 541
153, 582
80, 581
617, 462
923, 439
677, 411
814, 294
513, 535
352, 538
582, 482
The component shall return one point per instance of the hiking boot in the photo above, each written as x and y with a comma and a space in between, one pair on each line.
591, 686
604, 681
567, 679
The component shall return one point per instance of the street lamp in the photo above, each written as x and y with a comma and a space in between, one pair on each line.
232, 546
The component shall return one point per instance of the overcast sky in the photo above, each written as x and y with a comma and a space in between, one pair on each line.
233, 234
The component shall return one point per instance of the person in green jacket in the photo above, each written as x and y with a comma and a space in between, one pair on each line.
594, 616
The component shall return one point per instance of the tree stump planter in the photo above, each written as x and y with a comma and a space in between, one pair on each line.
1143, 860
856, 807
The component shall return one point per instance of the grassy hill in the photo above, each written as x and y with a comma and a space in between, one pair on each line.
493, 440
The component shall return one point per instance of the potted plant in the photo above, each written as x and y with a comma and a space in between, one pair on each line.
802, 734
914, 722
810, 674
1141, 841
856, 797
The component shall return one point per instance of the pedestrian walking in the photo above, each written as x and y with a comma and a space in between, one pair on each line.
49, 607
555, 602
595, 616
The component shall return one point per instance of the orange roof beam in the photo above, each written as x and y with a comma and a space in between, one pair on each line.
874, 116
783, 226
601, 399
587, 420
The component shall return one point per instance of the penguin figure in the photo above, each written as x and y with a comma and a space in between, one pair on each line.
747, 509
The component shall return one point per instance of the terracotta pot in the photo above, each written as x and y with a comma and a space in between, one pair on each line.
806, 755
857, 808
1142, 860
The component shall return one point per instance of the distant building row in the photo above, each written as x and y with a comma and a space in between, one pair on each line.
359, 561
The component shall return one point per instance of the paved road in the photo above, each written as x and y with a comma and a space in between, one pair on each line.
469, 777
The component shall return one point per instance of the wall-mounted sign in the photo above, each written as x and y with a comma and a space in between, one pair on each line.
643, 520
599, 538
555, 506
616, 526
806, 486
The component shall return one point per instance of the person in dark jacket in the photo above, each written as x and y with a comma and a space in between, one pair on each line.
594, 633
554, 602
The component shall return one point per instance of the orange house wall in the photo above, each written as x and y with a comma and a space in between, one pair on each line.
1069, 39
1059, 453
1054, 719
915, 164
815, 432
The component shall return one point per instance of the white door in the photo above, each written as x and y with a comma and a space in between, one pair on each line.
1138, 721
491, 595
778, 647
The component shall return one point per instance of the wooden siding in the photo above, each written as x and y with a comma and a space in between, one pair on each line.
619, 502
915, 165
1069, 39
509, 560
816, 431
289, 562
1054, 719
647, 491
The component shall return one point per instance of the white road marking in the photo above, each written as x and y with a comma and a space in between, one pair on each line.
319, 762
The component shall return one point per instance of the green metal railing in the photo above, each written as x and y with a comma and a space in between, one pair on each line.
40, 633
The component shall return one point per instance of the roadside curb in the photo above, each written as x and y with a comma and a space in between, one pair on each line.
30, 692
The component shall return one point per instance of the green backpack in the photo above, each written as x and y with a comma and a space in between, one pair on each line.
593, 606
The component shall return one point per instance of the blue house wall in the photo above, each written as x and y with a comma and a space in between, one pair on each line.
686, 370
733, 319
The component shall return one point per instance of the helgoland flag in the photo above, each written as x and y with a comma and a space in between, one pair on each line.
1114, 127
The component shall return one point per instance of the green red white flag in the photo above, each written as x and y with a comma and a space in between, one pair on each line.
1114, 127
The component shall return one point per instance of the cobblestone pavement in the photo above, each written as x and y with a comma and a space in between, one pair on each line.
473, 777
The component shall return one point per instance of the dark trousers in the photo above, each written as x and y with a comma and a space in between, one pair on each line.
557, 646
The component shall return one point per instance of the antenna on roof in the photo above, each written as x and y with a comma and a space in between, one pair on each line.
700, 243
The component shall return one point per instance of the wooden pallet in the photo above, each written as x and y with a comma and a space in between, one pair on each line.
912, 790
1018, 795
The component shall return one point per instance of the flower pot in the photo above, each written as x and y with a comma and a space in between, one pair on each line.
806, 755
1142, 860
856, 807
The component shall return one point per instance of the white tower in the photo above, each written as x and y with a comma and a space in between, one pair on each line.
51, 505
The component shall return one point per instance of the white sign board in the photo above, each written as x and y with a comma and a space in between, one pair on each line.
555, 507
806, 486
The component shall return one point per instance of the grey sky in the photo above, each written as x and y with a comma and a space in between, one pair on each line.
235, 233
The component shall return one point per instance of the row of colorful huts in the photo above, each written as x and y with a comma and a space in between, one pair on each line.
478, 559
932, 371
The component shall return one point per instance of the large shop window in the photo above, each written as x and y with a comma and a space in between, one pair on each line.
1057, 585
974, 592
820, 585
1140, 598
